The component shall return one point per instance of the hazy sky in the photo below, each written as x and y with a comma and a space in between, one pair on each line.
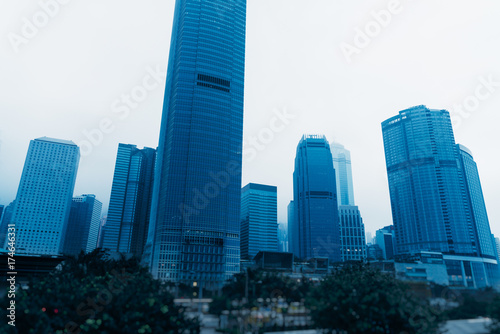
73, 72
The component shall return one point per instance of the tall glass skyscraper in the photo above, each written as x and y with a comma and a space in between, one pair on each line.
352, 234
485, 245
259, 219
343, 174
43, 200
316, 222
293, 232
130, 201
435, 195
194, 232
83, 225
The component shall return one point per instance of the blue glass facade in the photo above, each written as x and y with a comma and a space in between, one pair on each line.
195, 225
259, 220
385, 239
43, 200
429, 204
130, 201
293, 240
315, 201
83, 225
343, 173
352, 234
436, 197
486, 247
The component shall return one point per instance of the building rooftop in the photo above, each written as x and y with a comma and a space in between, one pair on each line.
58, 141
257, 186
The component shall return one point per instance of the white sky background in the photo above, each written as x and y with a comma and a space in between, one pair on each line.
65, 79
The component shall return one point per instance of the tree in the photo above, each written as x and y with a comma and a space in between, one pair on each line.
92, 293
473, 304
360, 299
262, 285
494, 312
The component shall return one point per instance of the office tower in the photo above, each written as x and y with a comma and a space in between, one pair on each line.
3, 228
282, 238
435, 196
6, 219
130, 201
374, 252
83, 225
497, 245
43, 200
486, 247
315, 201
352, 234
385, 239
292, 229
194, 234
495, 241
102, 232
343, 174
259, 220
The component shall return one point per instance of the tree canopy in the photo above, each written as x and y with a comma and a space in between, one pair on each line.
360, 299
92, 293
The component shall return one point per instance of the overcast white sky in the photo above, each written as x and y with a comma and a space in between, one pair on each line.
66, 76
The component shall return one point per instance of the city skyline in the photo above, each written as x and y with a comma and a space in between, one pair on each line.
64, 111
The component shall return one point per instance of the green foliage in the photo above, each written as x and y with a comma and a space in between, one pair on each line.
473, 304
95, 294
360, 299
494, 312
262, 285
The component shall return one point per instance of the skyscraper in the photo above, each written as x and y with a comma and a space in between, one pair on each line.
130, 201
343, 174
352, 234
435, 195
259, 220
6, 218
43, 200
486, 247
293, 232
315, 201
385, 239
194, 233
83, 225
282, 238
